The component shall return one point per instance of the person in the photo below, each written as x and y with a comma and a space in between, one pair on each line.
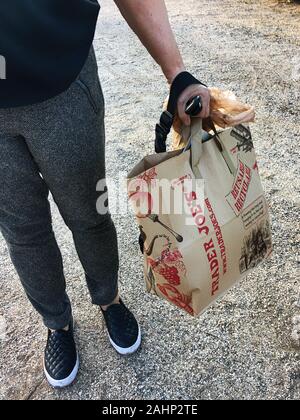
52, 139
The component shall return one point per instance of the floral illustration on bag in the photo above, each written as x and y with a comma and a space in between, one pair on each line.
257, 246
176, 297
150, 262
170, 267
140, 194
149, 176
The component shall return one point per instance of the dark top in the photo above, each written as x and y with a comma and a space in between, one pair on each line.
44, 45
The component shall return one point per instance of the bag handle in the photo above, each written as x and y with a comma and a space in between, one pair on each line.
195, 144
163, 128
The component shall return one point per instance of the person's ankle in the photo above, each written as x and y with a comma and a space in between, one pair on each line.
116, 301
64, 329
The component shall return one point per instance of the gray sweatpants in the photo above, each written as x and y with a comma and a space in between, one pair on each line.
58, 145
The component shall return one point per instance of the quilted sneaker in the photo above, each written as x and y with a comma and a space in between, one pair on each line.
61, 361
123, 329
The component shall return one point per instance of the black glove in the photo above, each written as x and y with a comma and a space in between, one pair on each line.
163, 128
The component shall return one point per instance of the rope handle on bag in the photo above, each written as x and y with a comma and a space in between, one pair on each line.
193, 107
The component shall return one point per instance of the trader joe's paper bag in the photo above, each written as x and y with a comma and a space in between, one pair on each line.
192, 259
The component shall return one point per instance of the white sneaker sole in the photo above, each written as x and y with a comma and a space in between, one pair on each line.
63, 382
128, 350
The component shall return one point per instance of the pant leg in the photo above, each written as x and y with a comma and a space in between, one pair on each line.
68, 144
25, 222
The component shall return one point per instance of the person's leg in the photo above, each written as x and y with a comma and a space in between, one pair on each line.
68, 144
25, 223
67, 140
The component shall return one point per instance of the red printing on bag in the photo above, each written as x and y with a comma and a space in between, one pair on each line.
149, 176
241, 186
209, 247
171, 267
175, 296
142, 198
218, 233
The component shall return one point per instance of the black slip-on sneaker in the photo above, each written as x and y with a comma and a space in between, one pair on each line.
61, 361
123, 329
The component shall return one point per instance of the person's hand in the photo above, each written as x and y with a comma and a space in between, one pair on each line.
189, 93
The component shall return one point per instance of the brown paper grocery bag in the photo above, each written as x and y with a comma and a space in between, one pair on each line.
191, 259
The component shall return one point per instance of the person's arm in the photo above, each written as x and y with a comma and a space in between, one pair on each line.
149, 20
